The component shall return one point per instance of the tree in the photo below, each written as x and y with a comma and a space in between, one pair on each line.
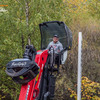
94, 8
16, 25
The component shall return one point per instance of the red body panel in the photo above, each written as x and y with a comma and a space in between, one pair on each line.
30, 90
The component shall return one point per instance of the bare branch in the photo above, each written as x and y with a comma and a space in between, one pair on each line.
19, 2
27, 14
30, 2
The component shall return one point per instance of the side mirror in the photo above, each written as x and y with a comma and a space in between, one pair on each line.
63, 57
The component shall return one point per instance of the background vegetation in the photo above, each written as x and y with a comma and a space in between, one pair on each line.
20, 22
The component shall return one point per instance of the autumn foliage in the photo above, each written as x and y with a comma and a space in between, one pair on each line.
90, 90
21, 20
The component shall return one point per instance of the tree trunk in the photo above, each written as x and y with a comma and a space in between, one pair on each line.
27, 12
22, 41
